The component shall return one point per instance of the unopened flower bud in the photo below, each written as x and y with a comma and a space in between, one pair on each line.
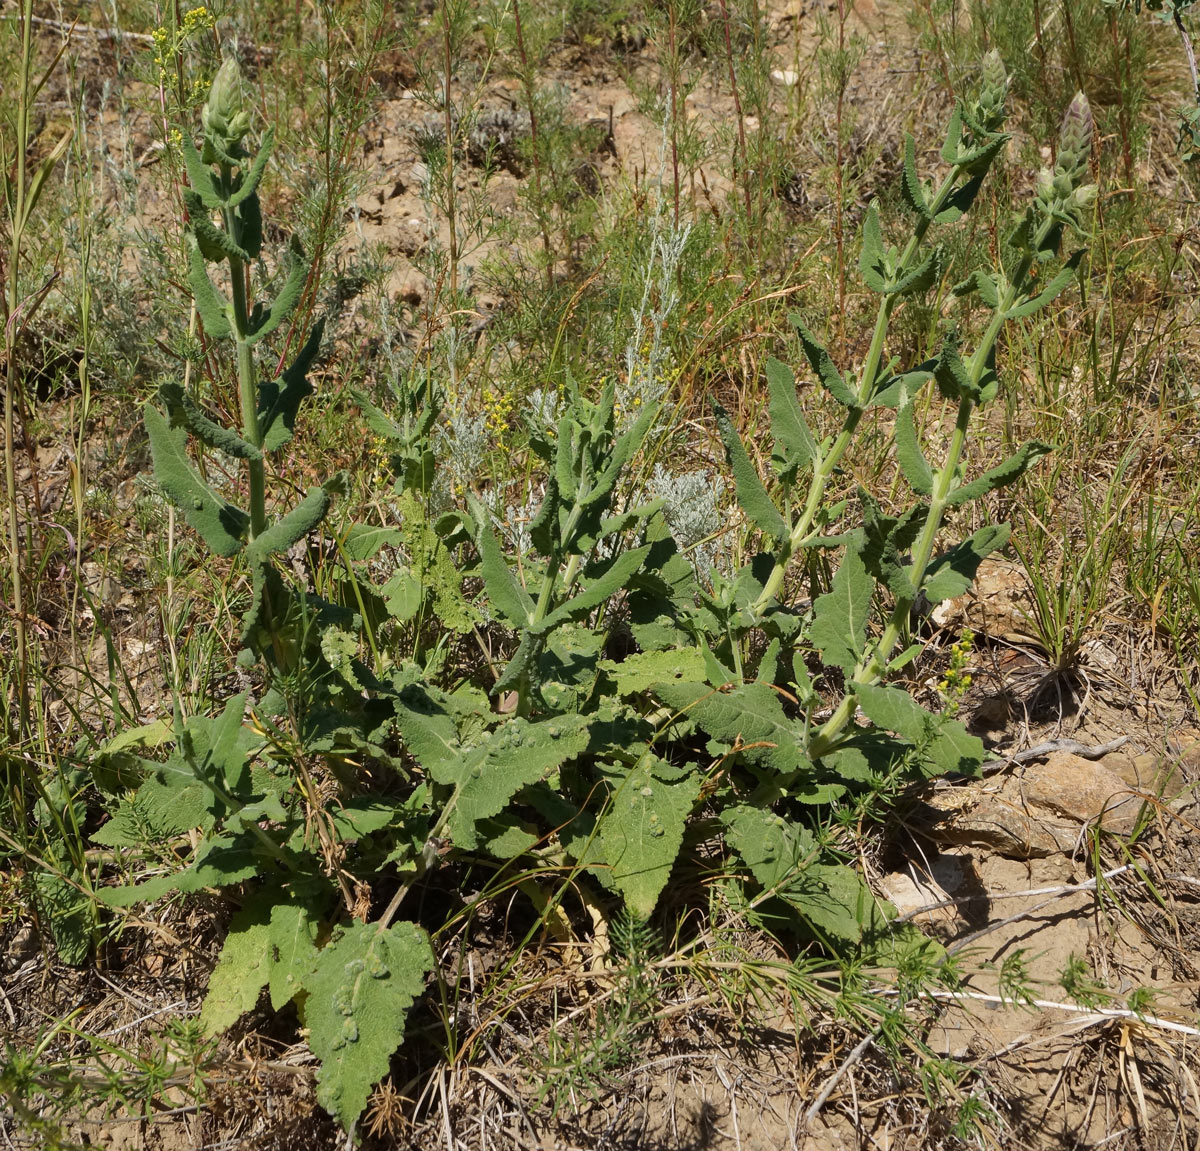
995, 77
1075, 141
1085, 197
223, 114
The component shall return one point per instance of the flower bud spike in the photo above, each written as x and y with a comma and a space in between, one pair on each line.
225, 119
1075, 141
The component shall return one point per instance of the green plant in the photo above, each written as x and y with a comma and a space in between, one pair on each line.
627, 704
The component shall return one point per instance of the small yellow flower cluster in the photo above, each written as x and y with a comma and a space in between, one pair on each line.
168, 45
497, 408
957, 681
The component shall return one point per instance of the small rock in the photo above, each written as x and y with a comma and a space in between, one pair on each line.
786, 77
1039, 811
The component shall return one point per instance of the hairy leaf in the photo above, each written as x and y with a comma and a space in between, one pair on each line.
1006, 473
504, 591
598, 592
263, 323
839, 627
218, 863
292, 949
953, 572
221, 525
516, 754
751, 494
642, 831
293, 527
908, 450
214, 312
279, 400
200, 176
184, 413
254, 174
774, 848
641, 671
360, 990
872, 260
242, 969
921, 278
215, 243
749, 718
1051, 291
914, 195
822, 363
795, 447
943, 743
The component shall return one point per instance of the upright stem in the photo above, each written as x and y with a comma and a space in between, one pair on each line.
824, 468
448, 119
874, 665
527, 83
247, 379
13, 380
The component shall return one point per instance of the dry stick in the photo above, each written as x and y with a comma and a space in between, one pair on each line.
859, 1051
535, 143
737, 107
1083, 750
1090, 1015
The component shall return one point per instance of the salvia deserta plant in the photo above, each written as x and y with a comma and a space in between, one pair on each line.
581, 759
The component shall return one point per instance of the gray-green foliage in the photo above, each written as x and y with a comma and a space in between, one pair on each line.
628, 694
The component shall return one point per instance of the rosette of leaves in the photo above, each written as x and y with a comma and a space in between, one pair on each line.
225, 227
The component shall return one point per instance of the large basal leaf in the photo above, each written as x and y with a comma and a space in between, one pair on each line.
839, 627
427, 719
514, 755
642, 670
752, 496
783, 858
749, 717
242, 969
292, 950
69, 911
359, 992
642, 831
221, 525
774, 848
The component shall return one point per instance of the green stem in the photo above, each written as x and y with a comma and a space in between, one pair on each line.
873, 666
247, 380
802, 529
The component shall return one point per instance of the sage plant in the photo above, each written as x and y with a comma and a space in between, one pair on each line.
224, 180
